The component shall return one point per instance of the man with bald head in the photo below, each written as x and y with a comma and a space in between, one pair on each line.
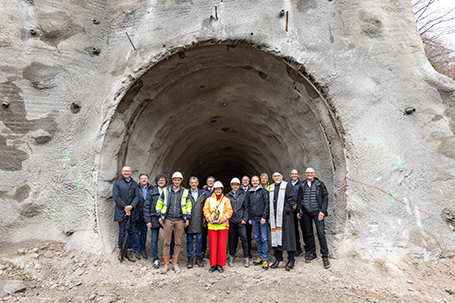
313, 203
125, 194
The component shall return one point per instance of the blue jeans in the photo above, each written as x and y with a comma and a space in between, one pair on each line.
122, 226
140, 235
261, 234
189, 245
154, 243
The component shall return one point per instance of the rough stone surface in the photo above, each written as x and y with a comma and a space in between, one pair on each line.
14, 286
226, 97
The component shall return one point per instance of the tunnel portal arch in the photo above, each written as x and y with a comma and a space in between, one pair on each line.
223, 109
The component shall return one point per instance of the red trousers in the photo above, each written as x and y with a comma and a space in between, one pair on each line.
218, 243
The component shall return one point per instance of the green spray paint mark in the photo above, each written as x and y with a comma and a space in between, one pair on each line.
393, 197
66, 159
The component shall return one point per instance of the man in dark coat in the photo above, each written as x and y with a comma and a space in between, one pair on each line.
237, 223
282, 203
313, 203
196, 226
249, 228
295, 182
126, 200
144, 188
151, 217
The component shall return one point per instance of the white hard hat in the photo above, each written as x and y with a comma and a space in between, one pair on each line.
218, 184
235, 180
177, 175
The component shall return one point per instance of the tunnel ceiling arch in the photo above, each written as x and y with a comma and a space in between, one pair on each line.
225, 110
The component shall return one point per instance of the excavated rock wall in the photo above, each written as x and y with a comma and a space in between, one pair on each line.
221, 87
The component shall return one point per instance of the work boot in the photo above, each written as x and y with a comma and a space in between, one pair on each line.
175, 265
166, 264
130, 255
199, 261
246, 262
190, 262
137, 254
326, 262
144, 255
231, 260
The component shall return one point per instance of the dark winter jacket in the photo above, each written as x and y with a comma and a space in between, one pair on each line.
321, 196
125, 193
150, 207
239, 207
196, 225
288, 239
258, 203
140, 205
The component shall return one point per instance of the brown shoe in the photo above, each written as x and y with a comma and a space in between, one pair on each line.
130, 255
166, 264
175, 265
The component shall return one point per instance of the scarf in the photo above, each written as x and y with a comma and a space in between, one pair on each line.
276, 226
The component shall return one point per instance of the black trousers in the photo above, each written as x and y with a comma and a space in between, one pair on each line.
308, 219
249, 232
236, 231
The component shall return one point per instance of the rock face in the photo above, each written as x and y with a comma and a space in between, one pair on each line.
223, 89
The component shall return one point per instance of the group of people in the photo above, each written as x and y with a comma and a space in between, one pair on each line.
207, 213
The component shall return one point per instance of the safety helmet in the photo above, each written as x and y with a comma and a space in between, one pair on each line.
235, 180
177, 175
218, 184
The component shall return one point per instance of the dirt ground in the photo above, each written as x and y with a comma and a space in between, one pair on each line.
52, 273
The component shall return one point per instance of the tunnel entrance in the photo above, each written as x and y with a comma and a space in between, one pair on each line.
224, 110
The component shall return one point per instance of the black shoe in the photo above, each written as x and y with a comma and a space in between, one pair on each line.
275, 264
137, 254
199, 261
220, 268
326, 262
144, 255
289, 266
298, 252
212, 268
311, 258
190, 262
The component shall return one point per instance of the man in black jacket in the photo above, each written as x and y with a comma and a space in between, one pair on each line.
126, 200
196, 226
237, 223
151, 217
258, 212
141, 228
314, 200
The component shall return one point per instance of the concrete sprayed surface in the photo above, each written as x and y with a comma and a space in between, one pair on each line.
346, 90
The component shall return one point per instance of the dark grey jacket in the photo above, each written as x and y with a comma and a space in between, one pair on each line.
239, 207
150, 207
125, 193
141, 203
321, 196
196, 225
